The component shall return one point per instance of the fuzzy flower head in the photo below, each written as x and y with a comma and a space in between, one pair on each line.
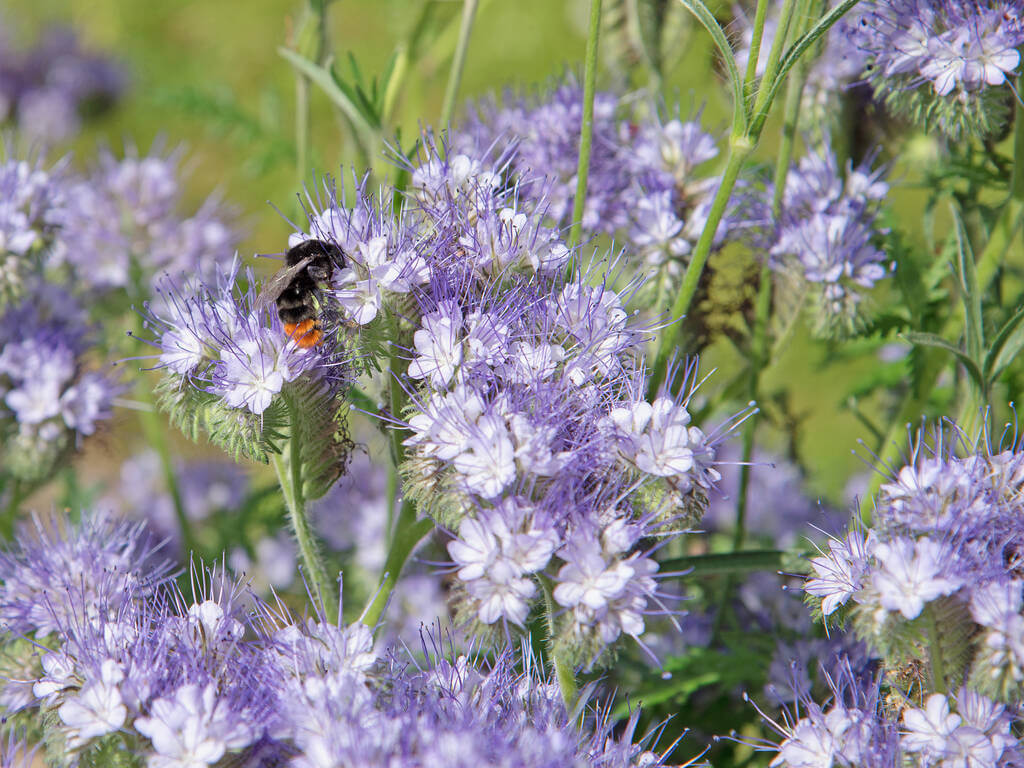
57, 569
223, 342
32, 207
530, 442
49, 398
945, 546
856, 727
826, 239
648, 182
945, 65
231, 367
126, 225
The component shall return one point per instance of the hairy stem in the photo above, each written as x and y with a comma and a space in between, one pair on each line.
760, 14
458, 63
587, 125
156, 435
288, 466
762, 308
936, 662
564, 674
310, 40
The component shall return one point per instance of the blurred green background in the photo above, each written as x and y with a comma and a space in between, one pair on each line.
206, 74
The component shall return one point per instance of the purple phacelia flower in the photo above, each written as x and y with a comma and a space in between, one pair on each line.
943, 63
125, 222
827, 237
57, 569
48, 89
219, 340
32, 207
48, 400
945, 546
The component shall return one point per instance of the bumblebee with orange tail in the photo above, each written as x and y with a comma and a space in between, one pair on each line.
296, 289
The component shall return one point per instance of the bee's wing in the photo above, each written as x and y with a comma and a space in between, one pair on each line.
276, 284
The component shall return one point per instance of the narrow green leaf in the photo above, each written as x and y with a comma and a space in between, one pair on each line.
708, 21
380, 86
324, 78
727, 562
968, 277
800, 46
931, 340
1008, 342
646, 16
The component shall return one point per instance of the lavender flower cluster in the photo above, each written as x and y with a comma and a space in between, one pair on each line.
826, 240
50, 396
220, 341
119, 226
47, 90
863, 724
942, 63
64, 240
529, 435
121, 666
645, 185
944, 551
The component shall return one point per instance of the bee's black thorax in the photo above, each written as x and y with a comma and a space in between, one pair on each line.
299, 300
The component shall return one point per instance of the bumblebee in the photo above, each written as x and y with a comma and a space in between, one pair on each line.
295, 289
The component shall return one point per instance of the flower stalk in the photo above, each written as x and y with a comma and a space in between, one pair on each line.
458, 62
587, 125
288, 466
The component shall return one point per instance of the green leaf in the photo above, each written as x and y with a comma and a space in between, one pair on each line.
708, 21
968, 277
1008, 342
698, 669
932, 340
337, 92
646, 17
728, 562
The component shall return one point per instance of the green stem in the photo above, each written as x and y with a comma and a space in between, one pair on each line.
11, 510
302, 128
587, 125
739, 150
760, 14
762, 308
288, 466
405, 53
458, 63
911, 409
311, 41
1017, 180
564, 674
408, 533
936, 662
764, 94
748, 561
